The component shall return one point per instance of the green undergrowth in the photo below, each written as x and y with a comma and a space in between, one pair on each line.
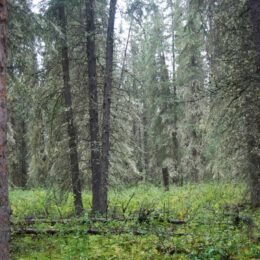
218, 224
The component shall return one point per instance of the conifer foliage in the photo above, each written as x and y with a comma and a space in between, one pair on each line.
108, 94
97, 98
102, 95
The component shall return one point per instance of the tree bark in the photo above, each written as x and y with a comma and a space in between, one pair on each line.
93, 107
175, 141
73, 153
253, 112
165, 173
4, 201
254, 6
106, 106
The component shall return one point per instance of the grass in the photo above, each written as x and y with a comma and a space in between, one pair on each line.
209, 232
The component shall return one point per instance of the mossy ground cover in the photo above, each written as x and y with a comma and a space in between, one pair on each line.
144, 230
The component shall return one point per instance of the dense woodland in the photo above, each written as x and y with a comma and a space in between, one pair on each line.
130, 129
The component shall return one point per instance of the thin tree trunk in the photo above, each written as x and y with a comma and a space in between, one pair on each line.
73, 153
139, 147
125, 54
23, 157
194, 143
93, 107
106, 106
4, 201
13, 168
145, 143
175, 142
253, 112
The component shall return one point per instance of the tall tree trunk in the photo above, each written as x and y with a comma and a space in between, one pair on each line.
175, 142
73, 153
107, 105
195, 83
93, 107
253, 112
4, 202
194, 138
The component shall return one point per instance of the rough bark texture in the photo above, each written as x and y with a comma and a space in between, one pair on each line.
253, 144
73, 153
254, 6
4, 204
106, 106
253, 112
93, 107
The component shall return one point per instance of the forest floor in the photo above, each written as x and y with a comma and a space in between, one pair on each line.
205, 221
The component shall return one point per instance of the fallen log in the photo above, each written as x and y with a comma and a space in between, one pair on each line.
36, 232
177, 221
53, 222
32, 231
52, 232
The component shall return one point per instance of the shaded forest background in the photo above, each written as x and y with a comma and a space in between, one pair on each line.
119, 96
184, 102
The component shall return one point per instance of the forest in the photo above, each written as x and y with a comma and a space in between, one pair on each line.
130, 129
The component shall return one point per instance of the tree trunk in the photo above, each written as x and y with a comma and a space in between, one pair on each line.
165, 173
254, 6
193, 110
93, 107
253, 112
145, 143
139, 149
4, 202
23, 156
253, 146
73, 153
106, 106
175, 142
